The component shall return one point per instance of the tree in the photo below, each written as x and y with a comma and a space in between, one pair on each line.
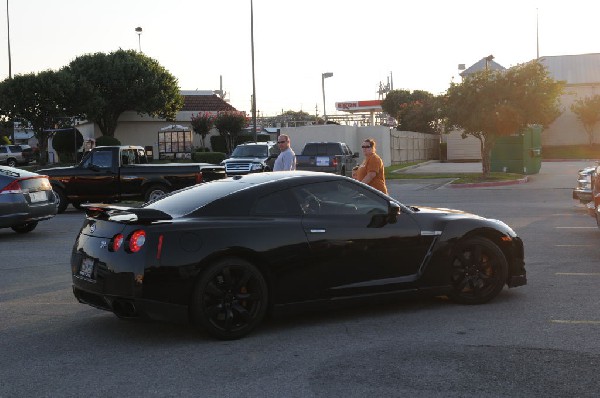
124, 80
230, 124
489, 104
414, 111
588, 113
38, 99
202, 123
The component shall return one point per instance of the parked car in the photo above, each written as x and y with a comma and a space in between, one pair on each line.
224, 253
12, 155
329, 157
114, 173
583, 191
26, 198
251, 157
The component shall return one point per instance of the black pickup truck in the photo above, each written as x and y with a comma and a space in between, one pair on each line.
329, 157
114, 173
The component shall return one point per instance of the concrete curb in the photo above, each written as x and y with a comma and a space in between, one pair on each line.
489, 184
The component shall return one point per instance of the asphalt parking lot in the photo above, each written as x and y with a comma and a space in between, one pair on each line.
542, 339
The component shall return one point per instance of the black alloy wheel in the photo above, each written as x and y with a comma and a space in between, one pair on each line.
230, 299
479, 271
23, 229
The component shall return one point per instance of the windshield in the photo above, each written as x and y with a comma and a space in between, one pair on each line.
250, 151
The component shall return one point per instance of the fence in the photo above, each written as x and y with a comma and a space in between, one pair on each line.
408, 146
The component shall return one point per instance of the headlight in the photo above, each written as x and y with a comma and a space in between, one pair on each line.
256, 166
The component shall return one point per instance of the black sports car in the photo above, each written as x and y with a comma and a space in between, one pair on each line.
223, 253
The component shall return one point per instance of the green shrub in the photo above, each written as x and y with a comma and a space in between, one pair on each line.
64, 143
106, 140
209, 157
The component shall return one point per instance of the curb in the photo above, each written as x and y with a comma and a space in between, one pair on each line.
489, 184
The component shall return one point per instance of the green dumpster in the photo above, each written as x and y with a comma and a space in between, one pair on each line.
519, 153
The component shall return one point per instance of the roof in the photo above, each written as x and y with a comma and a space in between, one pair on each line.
482, 64
574, 69
201, 102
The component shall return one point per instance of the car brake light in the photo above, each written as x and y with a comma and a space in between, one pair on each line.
116, 242
198, 178
13, 187
137, 240
334, 161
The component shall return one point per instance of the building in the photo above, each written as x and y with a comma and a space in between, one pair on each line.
581, 75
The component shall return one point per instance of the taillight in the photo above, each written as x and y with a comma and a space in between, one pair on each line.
137, 240
116, 242
13, 187
334, 162
198, 178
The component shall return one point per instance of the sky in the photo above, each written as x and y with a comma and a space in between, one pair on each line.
419, 44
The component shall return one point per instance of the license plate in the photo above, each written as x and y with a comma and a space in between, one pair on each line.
87, 268
39, 196
323, 161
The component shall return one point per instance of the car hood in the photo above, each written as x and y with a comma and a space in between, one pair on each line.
56, 170
245, 159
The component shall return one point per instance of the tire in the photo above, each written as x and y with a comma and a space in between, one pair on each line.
479, 271
61, 199
23, 229
155, 191
11, 162
77, 205
230, 299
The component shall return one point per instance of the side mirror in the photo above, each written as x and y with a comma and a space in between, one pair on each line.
355, 154
393, 212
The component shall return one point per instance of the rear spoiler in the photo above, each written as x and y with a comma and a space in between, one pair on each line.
123, 213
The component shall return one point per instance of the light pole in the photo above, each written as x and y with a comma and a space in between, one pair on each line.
12, 124
323, 77
138, 30
253, 82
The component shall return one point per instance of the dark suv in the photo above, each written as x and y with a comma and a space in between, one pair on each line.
251, 157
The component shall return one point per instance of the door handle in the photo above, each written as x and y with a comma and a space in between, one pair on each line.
317, 230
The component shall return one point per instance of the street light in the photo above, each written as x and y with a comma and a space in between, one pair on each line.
138, 30
254, 134
323, 77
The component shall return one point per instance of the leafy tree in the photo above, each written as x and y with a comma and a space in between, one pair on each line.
66, 143
489, 104
124, 80
105, 140
230, 124
588, 112
414, 111
40, 100
202, 123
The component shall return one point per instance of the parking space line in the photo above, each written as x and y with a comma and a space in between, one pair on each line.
576, 227
571, 322
574, 245
578, 273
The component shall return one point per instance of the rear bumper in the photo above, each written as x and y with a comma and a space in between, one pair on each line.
128, 307
582, 194
14, 214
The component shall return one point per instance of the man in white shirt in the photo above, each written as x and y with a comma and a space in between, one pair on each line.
287, 158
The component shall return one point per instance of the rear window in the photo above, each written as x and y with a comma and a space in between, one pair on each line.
322, 149
187, 200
